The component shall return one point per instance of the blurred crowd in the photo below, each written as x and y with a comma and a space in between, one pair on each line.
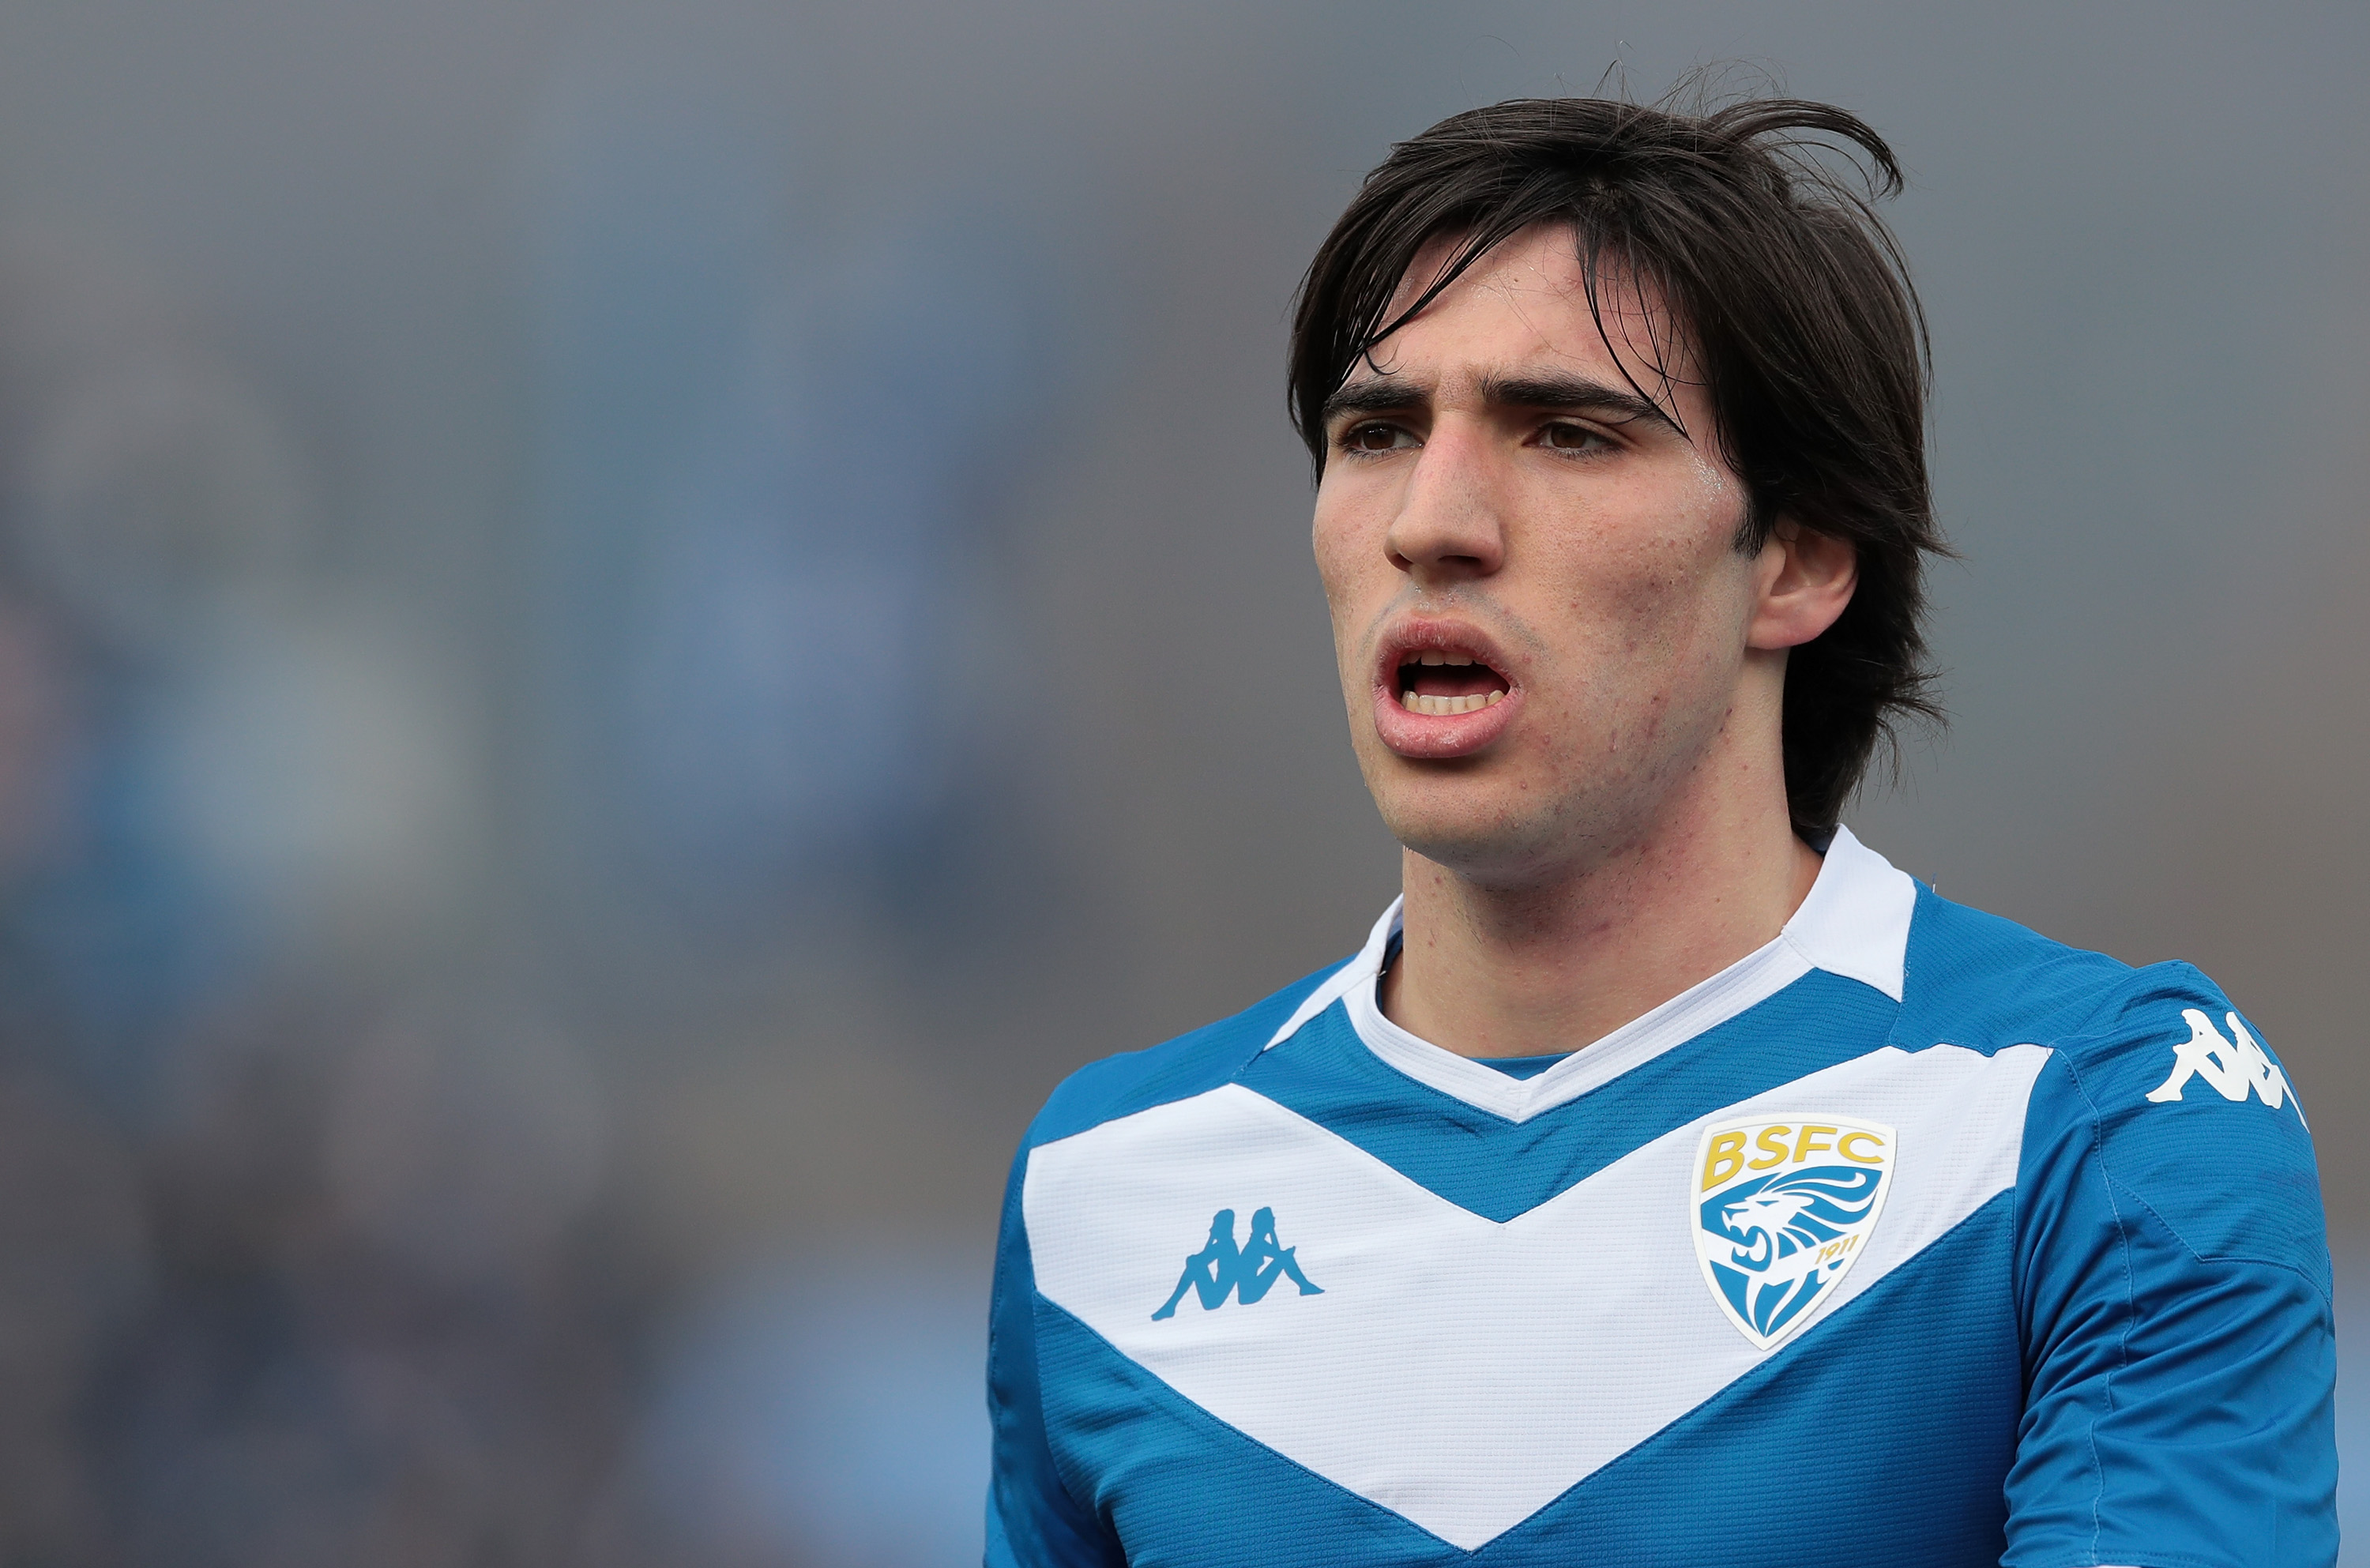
295, 1256
321, 1234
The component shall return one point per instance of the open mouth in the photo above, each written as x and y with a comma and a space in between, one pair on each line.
1439, 683
1443, 691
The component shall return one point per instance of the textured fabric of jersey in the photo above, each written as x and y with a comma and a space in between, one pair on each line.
1911, 1238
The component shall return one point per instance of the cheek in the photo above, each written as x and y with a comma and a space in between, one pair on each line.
1636, 595
1348, 561
1645, 608
1345, 595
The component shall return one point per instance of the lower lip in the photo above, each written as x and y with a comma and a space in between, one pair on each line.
1431, 738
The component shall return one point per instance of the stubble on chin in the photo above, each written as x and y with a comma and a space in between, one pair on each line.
1556, 816
1500, 833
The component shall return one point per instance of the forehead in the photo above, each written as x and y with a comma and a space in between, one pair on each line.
1526, 302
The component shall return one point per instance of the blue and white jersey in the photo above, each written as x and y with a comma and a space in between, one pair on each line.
1911, 1238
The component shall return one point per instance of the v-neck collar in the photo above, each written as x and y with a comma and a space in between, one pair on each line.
1853, 922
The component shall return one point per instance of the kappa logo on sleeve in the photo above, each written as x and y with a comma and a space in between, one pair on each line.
2232, 1068
1221, 1268
1781, 1210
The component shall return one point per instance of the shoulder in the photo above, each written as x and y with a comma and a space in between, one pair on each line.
2156, 1082
1977, 980
1175, 1069
2193, 1115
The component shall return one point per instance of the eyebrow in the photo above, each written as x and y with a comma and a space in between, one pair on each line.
1391, 394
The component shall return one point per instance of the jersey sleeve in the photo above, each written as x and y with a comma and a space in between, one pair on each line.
1032, 1520
2172, 1278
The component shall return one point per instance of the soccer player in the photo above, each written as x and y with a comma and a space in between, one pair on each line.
1668, 1179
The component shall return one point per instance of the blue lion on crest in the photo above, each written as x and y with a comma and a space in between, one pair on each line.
1776, 1218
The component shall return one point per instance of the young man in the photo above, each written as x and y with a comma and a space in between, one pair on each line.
1668, 1179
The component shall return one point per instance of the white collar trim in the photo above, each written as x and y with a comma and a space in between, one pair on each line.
1343, 981
1854, 923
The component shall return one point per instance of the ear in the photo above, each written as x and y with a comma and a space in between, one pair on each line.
1805, 580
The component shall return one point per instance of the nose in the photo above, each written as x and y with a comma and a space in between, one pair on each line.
1449, 527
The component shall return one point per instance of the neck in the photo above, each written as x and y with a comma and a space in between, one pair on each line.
1529, 971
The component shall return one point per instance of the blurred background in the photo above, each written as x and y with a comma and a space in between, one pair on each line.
624, 629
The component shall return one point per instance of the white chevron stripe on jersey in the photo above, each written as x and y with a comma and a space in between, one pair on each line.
1426, 1307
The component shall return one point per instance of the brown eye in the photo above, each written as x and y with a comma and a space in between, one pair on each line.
1376, 438
1574, 438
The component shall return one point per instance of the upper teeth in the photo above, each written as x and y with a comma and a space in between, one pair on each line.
1435, 656
1441, 707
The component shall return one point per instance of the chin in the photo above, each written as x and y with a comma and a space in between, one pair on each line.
1507, 833
1487, 841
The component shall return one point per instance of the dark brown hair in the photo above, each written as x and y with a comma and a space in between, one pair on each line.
1795, 307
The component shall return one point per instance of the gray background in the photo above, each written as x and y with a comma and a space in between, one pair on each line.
574, 762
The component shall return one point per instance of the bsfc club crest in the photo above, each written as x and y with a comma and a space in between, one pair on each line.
1781, 1210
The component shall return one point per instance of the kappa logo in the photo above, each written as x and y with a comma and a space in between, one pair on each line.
2234, 1067
1776, 1225
1248, 1272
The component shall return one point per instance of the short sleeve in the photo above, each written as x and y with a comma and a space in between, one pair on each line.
2172, 1279
1033, 1521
